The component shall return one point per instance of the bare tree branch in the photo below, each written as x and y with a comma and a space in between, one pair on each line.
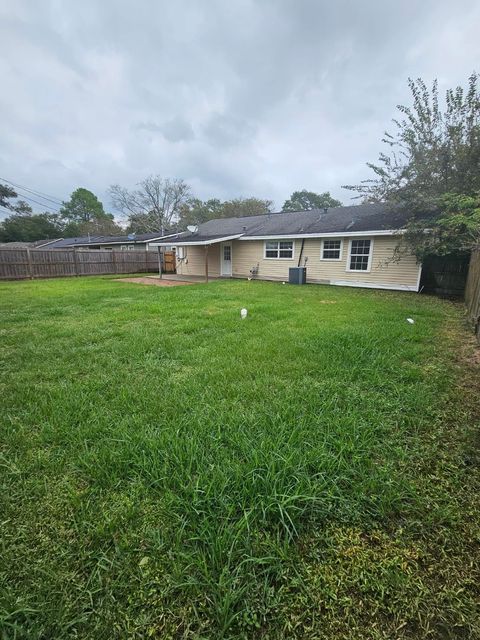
154, 205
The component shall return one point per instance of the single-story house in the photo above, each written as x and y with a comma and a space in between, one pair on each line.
348, 246
38, 244
132, 242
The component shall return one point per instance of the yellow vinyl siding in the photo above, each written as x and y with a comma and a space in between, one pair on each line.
247, 254
401, 274
194, 262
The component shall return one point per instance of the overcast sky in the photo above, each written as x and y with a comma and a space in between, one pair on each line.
238, 97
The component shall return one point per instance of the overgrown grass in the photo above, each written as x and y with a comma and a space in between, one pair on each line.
171, 471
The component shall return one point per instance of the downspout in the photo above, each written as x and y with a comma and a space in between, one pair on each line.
301, 253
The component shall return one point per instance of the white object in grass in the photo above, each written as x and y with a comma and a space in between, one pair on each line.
283, 282
243, 313
411, 320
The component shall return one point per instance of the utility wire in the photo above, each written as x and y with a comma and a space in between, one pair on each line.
42, 204
39, 194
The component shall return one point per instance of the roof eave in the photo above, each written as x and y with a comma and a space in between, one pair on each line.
198, 243
331, 234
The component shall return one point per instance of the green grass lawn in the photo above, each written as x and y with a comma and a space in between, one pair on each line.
171, 471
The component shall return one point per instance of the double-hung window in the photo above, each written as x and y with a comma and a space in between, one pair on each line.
331, 250
360, 255
279, 249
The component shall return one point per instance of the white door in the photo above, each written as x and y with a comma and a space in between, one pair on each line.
226, 256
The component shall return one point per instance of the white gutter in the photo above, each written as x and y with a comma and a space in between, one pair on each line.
198, 243
336, 234
285, 236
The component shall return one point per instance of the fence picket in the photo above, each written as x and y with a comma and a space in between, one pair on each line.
18, 264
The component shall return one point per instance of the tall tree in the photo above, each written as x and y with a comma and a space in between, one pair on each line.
433, 151
7, 194
21, 227
84, 214
195, 211
306, 200
246, 207
455, 228
104, 226
82, 207
154, 205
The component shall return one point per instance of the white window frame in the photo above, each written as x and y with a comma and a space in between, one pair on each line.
180, 252
370, 257
322, 249
278, 250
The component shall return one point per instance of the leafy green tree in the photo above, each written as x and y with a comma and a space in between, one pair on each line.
195, 211
83, 207
21, 227
431, 167
455, 228
246, 207
306, 200
433, 150
84, 214
105, 226
7, 194
142, 223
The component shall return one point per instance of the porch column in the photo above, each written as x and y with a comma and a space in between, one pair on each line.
159, 263
206, 263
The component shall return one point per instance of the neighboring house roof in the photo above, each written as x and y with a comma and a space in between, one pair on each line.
85, 241
26, 245
352, 220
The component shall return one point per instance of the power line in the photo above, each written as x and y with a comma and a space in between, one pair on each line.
41, 204
39, 194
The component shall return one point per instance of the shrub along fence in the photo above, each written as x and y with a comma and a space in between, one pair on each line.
18, 264
472, 292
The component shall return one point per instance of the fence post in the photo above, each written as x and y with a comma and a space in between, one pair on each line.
114, 257
75, 261
30, 266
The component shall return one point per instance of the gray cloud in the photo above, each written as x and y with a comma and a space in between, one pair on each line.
227, 131
247, 97
175, 130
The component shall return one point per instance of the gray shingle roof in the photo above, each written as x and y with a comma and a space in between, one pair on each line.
363, 217
96, 240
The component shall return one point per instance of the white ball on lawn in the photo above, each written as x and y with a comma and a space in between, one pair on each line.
411, 320
243, 313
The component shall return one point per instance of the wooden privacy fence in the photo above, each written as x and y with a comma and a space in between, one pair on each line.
472, 292
17, 264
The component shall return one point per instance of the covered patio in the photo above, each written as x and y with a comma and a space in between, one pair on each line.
208, 250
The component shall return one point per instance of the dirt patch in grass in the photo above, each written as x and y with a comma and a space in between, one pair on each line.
155, 281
